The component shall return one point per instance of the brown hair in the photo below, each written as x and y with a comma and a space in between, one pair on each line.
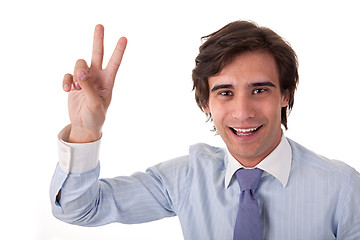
222, 46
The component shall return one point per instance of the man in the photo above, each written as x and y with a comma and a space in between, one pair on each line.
244, 80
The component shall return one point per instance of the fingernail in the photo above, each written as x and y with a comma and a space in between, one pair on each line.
77, 86
83, 75
66, 87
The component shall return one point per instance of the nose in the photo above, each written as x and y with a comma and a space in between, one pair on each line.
243, 107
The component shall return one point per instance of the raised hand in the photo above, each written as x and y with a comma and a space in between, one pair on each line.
90, 90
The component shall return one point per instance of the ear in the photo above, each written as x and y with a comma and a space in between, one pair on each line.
206, 109
285, 96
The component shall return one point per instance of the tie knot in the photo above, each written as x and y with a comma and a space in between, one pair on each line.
249, 178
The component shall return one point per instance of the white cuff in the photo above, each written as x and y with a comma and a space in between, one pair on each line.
77, 157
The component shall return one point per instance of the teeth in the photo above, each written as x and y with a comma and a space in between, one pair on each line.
239, 130
244, 131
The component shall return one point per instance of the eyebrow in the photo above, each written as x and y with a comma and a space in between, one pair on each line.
256, 84
262, 84
221, 86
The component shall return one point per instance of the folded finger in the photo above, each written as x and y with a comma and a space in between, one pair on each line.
67, 82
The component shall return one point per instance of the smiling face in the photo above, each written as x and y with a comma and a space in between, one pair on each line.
245, 103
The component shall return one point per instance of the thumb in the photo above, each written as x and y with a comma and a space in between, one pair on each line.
80, 72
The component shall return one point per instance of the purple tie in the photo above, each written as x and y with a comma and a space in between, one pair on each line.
248, 223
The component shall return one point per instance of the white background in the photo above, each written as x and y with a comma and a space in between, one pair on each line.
153, 116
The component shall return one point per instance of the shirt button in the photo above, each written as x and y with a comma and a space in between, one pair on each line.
63, 150
64, 163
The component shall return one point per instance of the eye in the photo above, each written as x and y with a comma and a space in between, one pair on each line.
259, 91
225, 93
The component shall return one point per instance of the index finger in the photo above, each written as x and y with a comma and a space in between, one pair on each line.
116, 57
98, 47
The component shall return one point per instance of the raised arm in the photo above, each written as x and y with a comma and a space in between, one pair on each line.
77, 194
90, 90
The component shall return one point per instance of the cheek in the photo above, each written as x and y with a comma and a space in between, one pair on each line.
208, 107
211, 107
217, 112
272, 111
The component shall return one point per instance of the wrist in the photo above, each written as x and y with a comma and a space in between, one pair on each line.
81, 135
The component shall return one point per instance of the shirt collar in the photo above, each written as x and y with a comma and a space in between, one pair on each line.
277, 163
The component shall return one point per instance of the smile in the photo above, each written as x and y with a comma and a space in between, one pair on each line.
244, 131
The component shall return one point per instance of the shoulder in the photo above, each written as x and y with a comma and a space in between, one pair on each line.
307, 158
341, 181
199, 153
204, 151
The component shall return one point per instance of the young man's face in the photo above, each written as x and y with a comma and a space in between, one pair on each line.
245, 104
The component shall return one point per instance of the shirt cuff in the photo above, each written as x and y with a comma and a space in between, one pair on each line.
77, 157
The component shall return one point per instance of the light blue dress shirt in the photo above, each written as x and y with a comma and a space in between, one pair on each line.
313, 198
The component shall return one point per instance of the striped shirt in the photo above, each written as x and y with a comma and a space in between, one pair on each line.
315, 198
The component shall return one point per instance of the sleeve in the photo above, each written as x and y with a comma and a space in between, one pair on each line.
77, 157
142, 197
349, 223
